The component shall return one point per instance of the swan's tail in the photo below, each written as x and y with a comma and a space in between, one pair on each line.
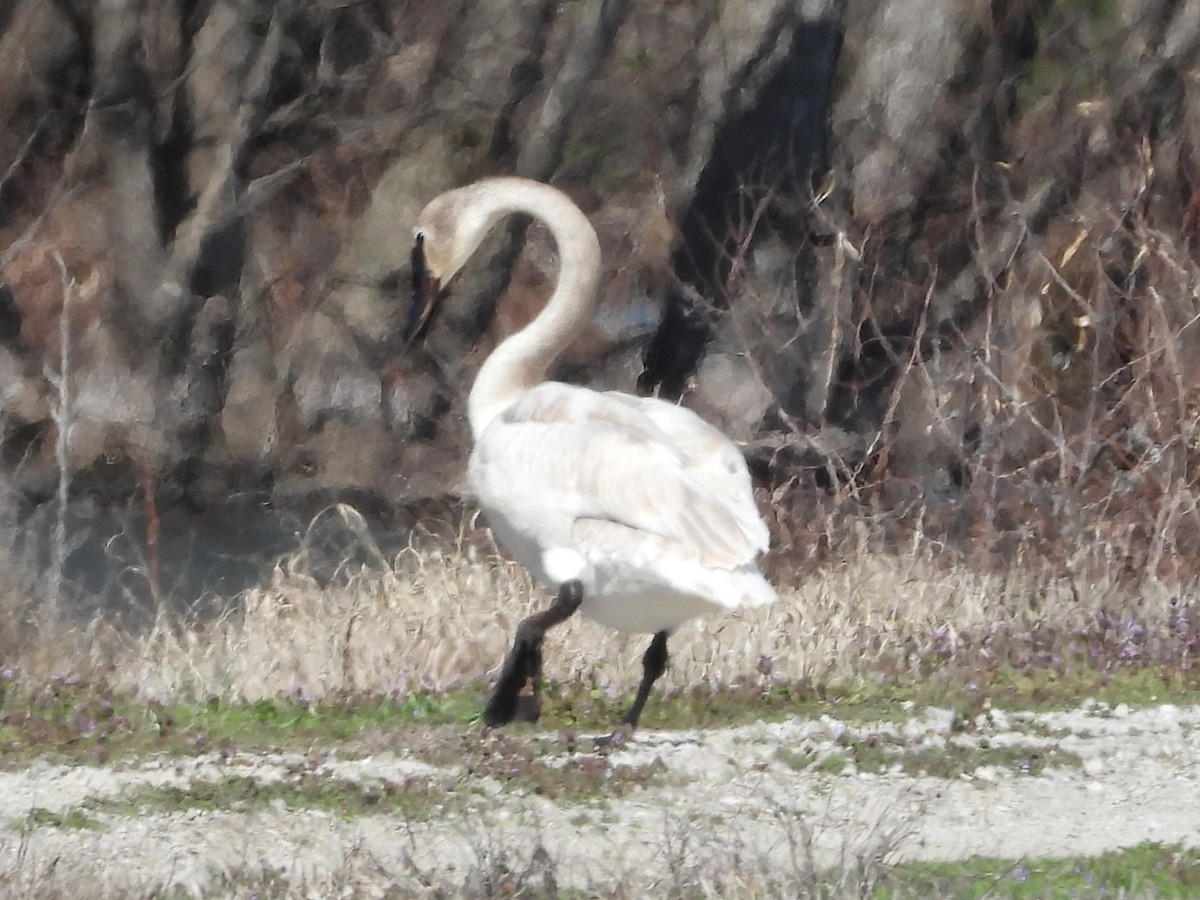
758, 591
750, 588
741, 588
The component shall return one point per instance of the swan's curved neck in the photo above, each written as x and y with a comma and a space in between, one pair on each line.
521, 361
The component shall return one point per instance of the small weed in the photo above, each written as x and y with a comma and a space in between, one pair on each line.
833, 764
72, 819
798, 760
873, 752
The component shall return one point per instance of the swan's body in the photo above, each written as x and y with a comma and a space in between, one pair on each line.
642, 501
643, 508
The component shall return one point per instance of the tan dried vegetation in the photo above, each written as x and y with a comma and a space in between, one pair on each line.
431, 620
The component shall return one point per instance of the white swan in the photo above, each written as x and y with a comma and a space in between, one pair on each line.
636, 511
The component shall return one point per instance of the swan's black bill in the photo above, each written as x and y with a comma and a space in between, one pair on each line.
426, 288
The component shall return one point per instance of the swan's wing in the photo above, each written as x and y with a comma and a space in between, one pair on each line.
707, 452
568, 454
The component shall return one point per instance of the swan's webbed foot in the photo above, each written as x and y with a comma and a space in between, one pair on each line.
654, 663
529, 704
515, 695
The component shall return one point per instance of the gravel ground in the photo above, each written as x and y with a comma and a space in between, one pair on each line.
728, 806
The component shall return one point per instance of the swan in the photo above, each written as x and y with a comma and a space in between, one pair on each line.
634, 511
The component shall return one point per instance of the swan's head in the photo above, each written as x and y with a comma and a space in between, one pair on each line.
448, 231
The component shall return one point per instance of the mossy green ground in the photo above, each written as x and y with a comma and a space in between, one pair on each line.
1161, 871
876, 754
70, 819
80, 722
414, 798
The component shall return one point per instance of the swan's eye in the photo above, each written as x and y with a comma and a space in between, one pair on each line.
419, 237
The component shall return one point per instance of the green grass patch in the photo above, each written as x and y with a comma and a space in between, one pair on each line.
415, 798
833, 764
874, 753
69, 722
73, 722
881, 753
1147, 870
518, 766
969, 690
952, 760
72, 819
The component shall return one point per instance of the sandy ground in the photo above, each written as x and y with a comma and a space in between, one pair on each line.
732, 807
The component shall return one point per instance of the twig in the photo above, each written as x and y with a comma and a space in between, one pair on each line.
61, 414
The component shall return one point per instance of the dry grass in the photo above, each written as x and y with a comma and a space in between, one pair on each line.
433, 620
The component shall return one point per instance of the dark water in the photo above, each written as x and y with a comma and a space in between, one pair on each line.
205, 558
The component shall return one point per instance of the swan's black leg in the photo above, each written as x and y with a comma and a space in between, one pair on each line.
654, 663
515, 695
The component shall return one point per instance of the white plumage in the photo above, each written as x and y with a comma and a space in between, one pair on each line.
643, 502
641, 507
